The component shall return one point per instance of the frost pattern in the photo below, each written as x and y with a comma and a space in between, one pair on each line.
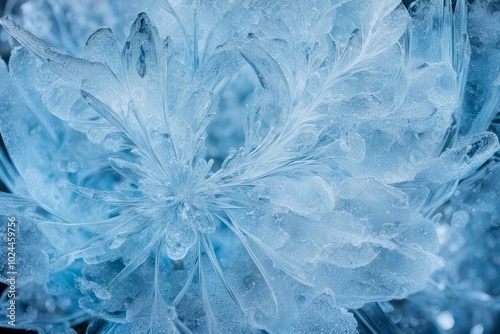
236, 167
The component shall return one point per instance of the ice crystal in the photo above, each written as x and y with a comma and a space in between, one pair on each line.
243, 166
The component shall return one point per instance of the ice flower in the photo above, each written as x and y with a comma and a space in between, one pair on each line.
344, 146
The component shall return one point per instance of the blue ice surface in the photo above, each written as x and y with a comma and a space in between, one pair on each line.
253, 166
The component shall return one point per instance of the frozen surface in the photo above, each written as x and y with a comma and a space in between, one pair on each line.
252, 166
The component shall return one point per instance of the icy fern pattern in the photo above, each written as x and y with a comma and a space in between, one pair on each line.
240, 166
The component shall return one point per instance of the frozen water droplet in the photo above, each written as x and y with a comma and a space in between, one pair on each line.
102, 293
119, 240
460, 219
445, 320
477, 329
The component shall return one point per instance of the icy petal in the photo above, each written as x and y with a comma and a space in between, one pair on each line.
180, 237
